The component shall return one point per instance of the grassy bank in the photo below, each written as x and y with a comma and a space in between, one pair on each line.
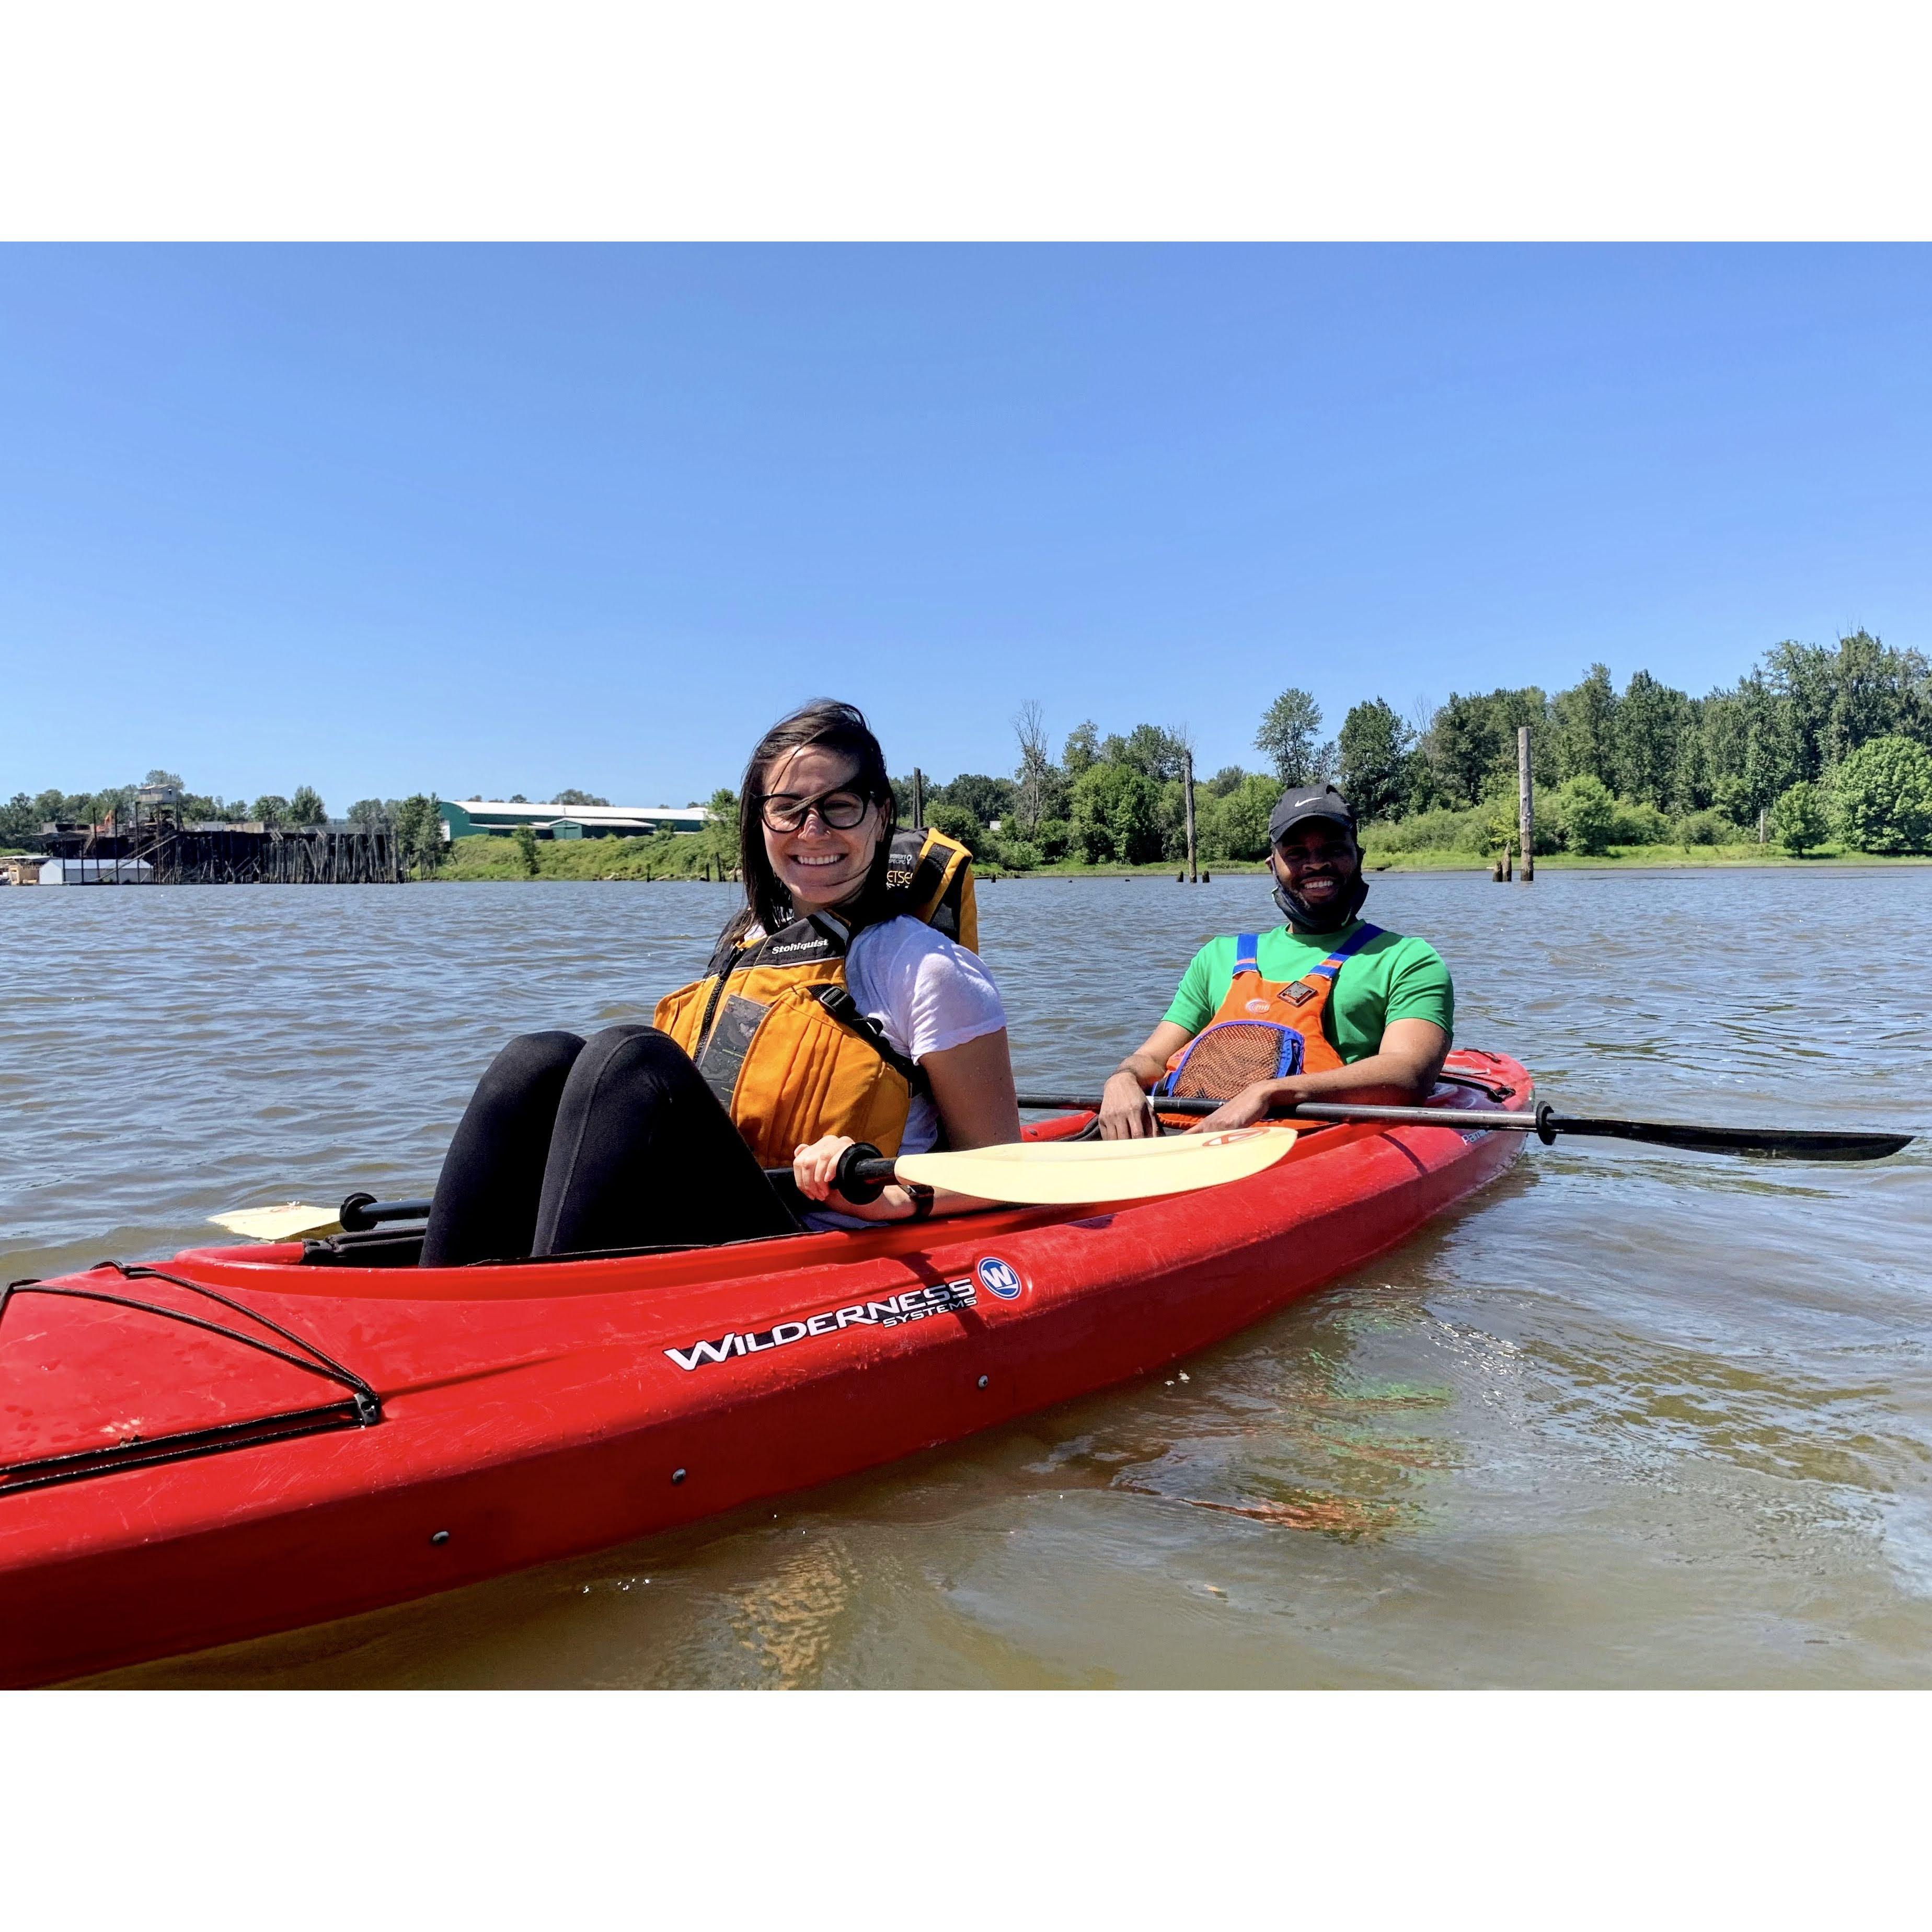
671, 856
1637, 858
1634, 858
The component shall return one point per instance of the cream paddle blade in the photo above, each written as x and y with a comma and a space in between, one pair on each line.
293, 1221
1069, 1173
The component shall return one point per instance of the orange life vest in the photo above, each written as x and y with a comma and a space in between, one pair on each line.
1264, 1029
780, 1039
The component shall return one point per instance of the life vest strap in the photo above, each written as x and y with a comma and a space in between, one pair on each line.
840, 1004
1247, 953
1352, 944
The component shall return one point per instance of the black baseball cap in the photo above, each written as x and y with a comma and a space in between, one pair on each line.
1321, 801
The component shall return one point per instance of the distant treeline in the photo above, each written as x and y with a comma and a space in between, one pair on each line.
1825, 741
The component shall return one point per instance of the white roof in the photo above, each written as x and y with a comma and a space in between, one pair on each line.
581, 814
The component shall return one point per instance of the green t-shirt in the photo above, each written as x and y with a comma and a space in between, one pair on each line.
1391, 978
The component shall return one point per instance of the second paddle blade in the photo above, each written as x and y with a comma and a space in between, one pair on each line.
294, 1221
1072, 1173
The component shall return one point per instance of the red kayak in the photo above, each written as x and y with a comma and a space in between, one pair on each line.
244, 1440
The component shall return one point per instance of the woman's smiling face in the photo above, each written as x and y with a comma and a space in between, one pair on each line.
820, 865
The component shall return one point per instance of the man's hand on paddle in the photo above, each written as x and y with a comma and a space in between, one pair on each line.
1400, 1073
1125, 1115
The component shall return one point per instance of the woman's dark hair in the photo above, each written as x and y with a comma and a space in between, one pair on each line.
831, 727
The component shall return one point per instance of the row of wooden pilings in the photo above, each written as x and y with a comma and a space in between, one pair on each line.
1504, 869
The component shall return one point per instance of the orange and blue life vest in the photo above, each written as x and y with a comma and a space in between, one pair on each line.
1263, 1029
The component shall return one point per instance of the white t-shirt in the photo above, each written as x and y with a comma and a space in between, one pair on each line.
929, 994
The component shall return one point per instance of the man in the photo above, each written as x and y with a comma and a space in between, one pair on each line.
1326, 1005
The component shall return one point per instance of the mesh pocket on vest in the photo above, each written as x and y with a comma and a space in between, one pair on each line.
1231, 1055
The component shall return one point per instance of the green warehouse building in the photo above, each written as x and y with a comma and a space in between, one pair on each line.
464, 818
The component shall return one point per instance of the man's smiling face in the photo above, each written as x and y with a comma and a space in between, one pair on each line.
1316, 860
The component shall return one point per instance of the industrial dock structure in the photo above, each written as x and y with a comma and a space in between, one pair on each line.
155, 848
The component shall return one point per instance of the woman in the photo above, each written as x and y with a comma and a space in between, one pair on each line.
836, 1008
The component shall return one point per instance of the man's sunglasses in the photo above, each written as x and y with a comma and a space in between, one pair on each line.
839, 811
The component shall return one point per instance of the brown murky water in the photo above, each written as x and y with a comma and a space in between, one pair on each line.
1628, 1417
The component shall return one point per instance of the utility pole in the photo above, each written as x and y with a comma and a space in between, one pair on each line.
1525, 804
918, 800
1187, 781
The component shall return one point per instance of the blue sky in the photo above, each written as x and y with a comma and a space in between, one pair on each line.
495, 519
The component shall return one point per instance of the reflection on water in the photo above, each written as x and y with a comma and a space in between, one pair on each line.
1630, 1417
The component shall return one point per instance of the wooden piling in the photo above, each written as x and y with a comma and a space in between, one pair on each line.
1187, 781
1525, 804
918, 800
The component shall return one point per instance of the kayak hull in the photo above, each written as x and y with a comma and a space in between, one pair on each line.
542, 1410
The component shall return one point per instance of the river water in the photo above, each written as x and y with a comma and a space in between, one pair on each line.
1628, 1417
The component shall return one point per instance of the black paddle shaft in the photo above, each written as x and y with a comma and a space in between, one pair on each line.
1767, 1143
863, 1174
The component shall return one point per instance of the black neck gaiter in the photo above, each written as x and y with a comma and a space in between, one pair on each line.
1331, 918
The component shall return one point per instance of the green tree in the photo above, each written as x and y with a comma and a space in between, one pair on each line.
1650, 718
1883, 796
419, 833
1461, 748
1801, 676
17, 820
986, 798
1373, 756
1774, 754
1053, 836
1691, 786
158, 777
1082, 748
306, 808
570, 796
1235, 825
1798, 821
1287, 736
1731, 798
955, 821
1583, 720
1585, 813
1116, 815
524, 838
1151, 750
271, 809
371, 814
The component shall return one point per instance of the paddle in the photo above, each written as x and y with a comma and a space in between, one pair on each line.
1071, 1173
1029, 1173
1767, 1143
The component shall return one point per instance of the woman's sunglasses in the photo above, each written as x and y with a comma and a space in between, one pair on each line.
838, 811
